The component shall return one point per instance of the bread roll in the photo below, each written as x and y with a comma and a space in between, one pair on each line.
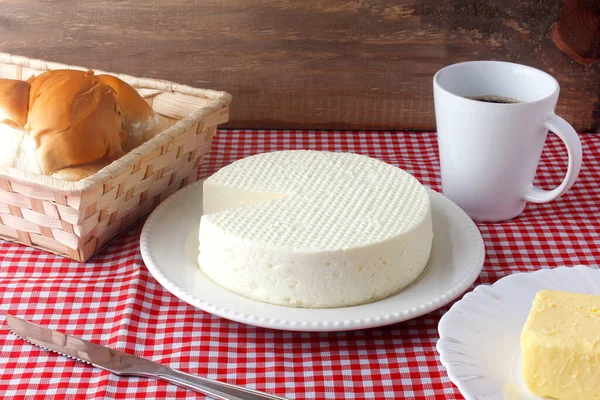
14, 102
70, 124
74, 119
139, 120
16, 148
135, 109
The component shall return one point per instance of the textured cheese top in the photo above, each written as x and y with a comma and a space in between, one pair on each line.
314, 229
314, 201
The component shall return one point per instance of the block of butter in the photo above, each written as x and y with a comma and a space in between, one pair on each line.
560, 346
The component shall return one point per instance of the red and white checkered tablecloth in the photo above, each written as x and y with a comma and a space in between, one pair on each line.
113, 300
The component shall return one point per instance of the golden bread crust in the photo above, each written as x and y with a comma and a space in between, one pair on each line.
14, 102
74, 118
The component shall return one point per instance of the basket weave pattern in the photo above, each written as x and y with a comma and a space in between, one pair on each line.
75, 219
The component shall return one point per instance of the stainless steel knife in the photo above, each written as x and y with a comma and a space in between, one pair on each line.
120, 363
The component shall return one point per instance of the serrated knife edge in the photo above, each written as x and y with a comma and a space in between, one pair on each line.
114, 361
120, 363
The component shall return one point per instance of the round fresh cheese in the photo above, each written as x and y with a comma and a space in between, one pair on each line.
314, 229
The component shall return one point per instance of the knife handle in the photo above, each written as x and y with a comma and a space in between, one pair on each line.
215, 389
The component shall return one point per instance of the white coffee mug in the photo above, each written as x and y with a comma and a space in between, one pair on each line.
489, 152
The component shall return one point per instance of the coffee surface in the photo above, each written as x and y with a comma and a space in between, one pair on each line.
493, 98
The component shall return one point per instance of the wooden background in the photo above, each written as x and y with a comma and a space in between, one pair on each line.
310, 63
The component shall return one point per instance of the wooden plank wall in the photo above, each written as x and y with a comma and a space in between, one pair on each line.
307, 63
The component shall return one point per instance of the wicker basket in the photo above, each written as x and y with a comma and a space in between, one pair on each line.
75, 219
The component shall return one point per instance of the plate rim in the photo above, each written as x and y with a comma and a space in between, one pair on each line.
315, 326
480, 290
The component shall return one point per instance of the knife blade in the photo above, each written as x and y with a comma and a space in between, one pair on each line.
121, 363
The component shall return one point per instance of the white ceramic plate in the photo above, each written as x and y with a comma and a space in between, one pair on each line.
480, 335
169, 248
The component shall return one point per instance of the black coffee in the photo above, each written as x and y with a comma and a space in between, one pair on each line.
493, 98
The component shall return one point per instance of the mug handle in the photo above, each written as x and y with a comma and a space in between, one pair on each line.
567, 134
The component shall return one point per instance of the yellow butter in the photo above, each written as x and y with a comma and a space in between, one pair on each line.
560, 346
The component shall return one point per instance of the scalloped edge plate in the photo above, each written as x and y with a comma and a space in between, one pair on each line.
169, 248
479, 342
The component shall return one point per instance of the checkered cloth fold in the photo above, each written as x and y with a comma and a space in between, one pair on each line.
113, 300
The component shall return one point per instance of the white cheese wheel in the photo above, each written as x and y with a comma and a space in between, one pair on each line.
314, 229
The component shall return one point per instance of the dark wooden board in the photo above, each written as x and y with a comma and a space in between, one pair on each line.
305, 63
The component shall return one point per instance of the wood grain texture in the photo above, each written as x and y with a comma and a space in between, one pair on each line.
363, 64
577, 31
